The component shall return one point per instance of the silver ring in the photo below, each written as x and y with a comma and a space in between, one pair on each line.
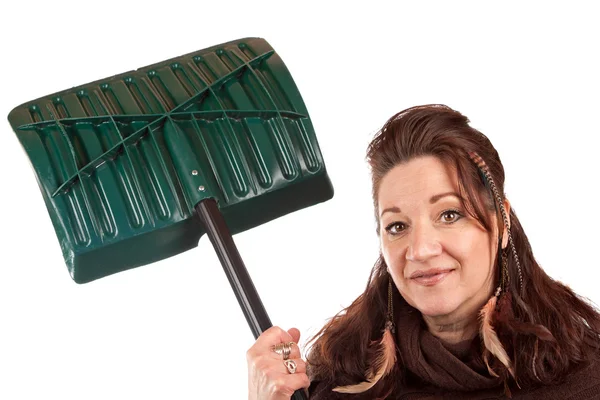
283, 349
290, 365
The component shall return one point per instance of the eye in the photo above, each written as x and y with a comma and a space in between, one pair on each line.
395, 228
450, 216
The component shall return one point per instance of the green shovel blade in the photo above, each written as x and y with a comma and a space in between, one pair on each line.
122, 162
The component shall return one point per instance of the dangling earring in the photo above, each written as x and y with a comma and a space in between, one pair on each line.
386, 359
504, 306
390, 325
488, 334
504, 280
503, 295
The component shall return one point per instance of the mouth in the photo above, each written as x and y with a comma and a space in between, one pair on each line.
430, 277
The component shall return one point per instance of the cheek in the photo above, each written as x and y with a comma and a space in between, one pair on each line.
474, 253
394, 256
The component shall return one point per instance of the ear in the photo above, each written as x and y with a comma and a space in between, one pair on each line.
506, 228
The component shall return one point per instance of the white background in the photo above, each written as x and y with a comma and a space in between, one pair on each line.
526, 75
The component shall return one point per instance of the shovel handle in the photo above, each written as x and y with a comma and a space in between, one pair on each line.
236, 271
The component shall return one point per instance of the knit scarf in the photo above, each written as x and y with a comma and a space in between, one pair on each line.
436, 370
451, 367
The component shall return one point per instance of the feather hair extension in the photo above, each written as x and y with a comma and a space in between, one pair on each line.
382, 366
490, 338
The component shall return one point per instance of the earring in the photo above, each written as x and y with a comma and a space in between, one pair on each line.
389, 324
504, 277
386, 357
490, 339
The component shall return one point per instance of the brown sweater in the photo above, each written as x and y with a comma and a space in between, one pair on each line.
581, 385
437, 370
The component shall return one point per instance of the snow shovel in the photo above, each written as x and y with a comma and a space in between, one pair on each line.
135, 168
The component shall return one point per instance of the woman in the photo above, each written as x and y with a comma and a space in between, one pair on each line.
456, 305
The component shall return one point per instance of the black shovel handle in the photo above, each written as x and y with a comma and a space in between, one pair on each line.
236, 271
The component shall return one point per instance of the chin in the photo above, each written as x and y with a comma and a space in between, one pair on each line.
436, 306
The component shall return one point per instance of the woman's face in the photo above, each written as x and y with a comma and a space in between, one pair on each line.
440, 259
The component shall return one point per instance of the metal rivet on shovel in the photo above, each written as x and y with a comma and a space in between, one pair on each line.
201, 188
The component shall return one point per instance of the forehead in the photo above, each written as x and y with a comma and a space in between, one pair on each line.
416, 180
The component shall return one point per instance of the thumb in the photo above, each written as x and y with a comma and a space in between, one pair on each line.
295, 334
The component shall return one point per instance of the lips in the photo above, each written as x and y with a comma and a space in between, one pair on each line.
430, 277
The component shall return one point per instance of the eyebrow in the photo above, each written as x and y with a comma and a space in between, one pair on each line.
435, 198
432, 200
390, 209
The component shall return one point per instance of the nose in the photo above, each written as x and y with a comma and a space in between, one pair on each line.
423, 244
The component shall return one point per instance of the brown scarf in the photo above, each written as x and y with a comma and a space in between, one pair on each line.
450, 367
436, 370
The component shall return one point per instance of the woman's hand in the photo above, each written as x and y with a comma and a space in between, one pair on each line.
268, 377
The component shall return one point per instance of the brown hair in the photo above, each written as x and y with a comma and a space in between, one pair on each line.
548, 333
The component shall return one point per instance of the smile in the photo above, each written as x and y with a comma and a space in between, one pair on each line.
430, 277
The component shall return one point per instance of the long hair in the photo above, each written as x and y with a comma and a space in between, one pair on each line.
548, 330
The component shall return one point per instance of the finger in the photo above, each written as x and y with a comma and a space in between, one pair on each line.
285, 386
295, 334
272, 336
294, 352
300, 366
